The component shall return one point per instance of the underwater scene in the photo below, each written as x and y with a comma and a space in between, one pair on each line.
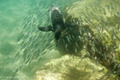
60, 40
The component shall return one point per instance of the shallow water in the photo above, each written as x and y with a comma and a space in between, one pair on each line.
12, 13
23, 48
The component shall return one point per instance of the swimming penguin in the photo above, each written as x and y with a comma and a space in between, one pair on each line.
66, 33
57, 23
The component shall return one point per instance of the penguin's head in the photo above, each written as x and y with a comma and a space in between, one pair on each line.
54, 8
56, 16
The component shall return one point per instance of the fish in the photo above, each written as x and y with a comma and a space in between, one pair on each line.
101, 70
93, 69
66, 46
104, 11
115, 66
116, 16
76, 51
118, 12
17, 55
93, 49
80, 38
86, 39
89, 34
76, 44
113, 58
107, 73
14, 74
117, 25
85, 67
88, 53
97, 62
86, 9
49, 46
107, 47
26, 62
20, 37
92, 14
73, 37
68, 39
86, 21
105, 56
91, 22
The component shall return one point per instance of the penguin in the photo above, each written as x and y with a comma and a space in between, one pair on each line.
58, 24
66, 33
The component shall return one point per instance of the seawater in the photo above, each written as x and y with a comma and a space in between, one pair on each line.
23, 48
12, 13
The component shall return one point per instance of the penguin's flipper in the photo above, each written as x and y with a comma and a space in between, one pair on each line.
47, 28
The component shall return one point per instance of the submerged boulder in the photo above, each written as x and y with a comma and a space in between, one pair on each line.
71, 67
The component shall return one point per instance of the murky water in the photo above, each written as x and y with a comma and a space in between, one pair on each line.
24, 49
12, 14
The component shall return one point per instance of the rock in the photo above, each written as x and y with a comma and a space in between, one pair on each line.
71, 67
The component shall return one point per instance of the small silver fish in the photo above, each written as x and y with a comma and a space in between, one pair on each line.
66, 46
77, 44
76, 51
68, 39
107, 47
80, 38
93, 69
73, 37
117, 25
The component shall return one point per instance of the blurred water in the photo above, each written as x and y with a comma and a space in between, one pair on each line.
23, 48
12, 13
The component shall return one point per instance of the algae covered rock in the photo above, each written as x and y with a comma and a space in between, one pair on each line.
71, 68
101, 39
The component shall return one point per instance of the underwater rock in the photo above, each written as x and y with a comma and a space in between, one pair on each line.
101, 39
71, 68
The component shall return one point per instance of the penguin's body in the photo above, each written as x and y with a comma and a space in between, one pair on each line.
57, 23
